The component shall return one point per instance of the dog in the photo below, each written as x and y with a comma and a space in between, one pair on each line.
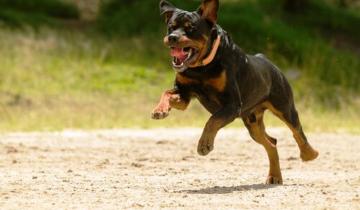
228, 82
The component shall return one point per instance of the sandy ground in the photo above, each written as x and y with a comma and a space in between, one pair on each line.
153, 169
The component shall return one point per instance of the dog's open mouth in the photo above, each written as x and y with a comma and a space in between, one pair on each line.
182, 56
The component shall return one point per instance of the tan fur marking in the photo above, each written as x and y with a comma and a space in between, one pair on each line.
201, 45
177, 102
187, 24
185, 80
218, 83
257, 130
205, 38
307, 152
295, 132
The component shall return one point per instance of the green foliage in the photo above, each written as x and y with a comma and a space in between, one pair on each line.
35, 12
133, 18
328, 19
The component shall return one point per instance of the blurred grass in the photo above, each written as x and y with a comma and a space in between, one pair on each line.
17, 13
73, 76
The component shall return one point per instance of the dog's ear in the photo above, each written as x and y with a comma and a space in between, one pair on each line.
208, 10
166, 9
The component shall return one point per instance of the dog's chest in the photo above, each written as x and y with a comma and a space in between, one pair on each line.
209, 91
213, 84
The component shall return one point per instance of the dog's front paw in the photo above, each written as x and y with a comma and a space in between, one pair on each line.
204, 148
160, 113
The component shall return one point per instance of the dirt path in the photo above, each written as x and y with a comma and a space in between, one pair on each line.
152, 169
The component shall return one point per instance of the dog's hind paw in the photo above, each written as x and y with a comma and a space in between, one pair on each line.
274, 180
308, 153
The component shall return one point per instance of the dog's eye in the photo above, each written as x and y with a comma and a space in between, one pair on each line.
189, 28
171, 26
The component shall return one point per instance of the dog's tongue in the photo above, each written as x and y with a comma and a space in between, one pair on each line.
178, 53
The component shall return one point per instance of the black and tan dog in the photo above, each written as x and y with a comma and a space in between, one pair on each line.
228, 83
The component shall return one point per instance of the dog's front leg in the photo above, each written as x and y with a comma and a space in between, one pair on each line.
218, 120
169, 99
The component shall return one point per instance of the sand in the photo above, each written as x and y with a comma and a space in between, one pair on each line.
160, 169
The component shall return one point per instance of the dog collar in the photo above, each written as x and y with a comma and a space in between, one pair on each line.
212, 53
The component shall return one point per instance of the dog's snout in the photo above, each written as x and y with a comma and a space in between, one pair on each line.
173, 38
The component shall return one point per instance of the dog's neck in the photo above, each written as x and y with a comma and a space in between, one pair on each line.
213, 51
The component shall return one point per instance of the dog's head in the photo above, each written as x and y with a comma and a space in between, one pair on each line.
190, 35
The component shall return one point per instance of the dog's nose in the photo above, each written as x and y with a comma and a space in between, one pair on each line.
173, 38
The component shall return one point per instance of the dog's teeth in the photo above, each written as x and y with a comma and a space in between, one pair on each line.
189, 54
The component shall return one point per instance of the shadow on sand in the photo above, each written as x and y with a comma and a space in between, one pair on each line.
226, 190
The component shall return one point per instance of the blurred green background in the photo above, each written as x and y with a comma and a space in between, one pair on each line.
92, 64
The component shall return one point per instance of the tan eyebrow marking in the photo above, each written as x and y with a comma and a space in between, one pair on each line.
187, 24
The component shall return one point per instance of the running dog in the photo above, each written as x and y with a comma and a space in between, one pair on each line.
228, 82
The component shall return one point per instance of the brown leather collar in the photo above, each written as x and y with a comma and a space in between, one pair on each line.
212, 53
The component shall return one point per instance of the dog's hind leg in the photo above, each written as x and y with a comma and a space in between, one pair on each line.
254, 123
271, 139
288, 114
